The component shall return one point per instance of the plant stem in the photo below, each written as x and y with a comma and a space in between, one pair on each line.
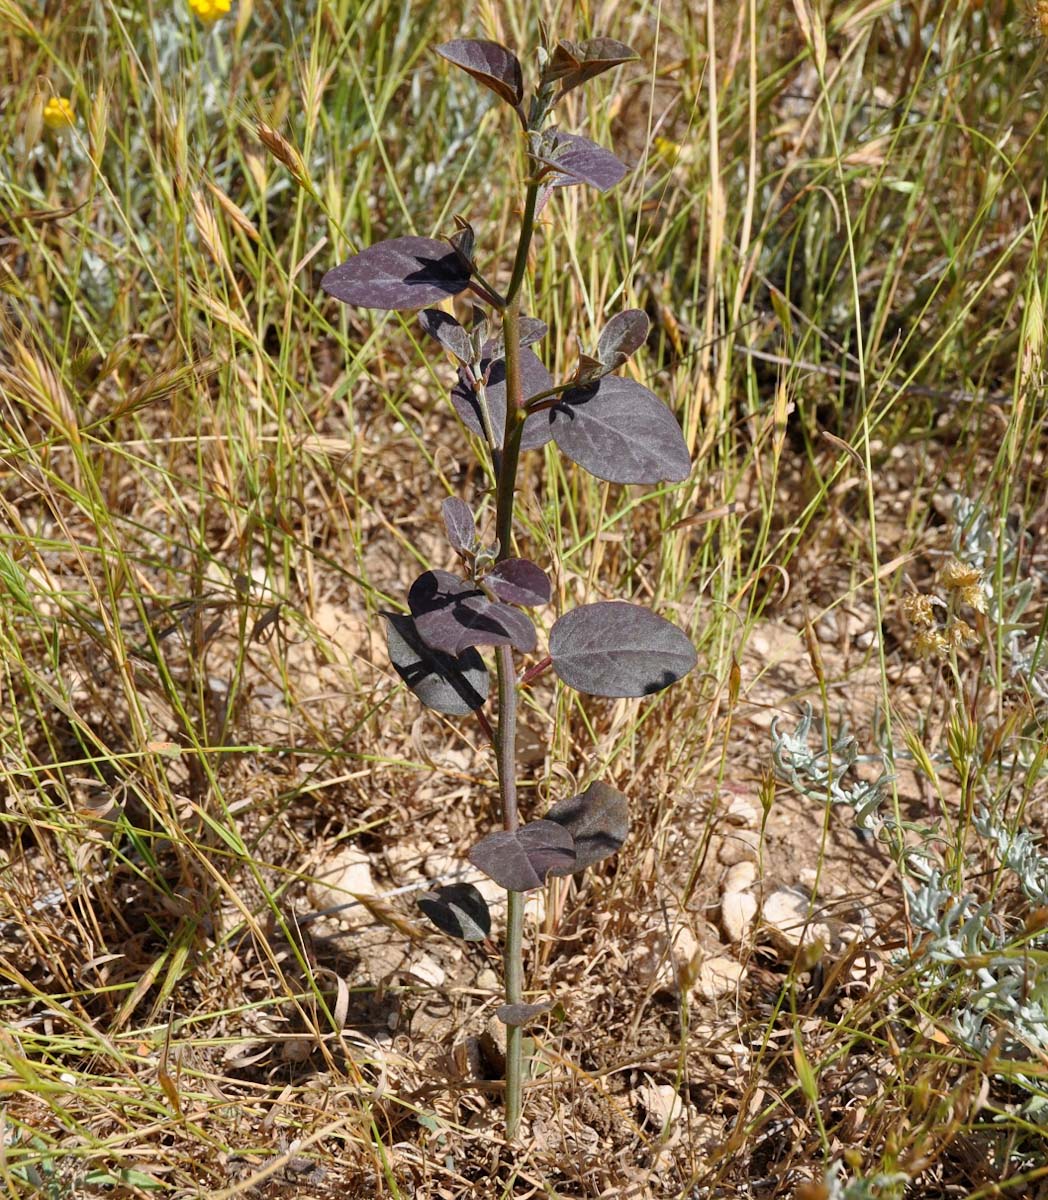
513, 953
507, 728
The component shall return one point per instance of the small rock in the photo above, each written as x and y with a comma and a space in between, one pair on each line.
661, 967
487, 980
719, 977
865, 639
661, 1103
493, 1044
338, 880
740, 877
428, 971
826, 629
743, 846
440, 865
737, 912
741, 812
791, 922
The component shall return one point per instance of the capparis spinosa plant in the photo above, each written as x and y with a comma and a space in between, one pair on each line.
610, 426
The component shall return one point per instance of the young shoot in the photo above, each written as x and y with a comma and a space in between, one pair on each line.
611, 426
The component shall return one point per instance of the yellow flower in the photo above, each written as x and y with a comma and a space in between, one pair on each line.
209, 11
58, 113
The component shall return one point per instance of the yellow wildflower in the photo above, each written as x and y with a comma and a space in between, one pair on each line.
209, 11
58, 113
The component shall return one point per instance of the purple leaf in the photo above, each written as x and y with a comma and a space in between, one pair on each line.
464, 239
445, 329
519, 581
532, 330
403, 273
451, 615
618, 431
599, 821
521, 1014
459, 523
576, 159
521, 861
623, 335
458, 909
619, 649
575, 62
589, 369
490, 64
451, 685
534, 378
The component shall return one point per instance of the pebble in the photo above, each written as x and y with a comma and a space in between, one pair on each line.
719, 977
826, 630
661, 1102
737, 912
428, 970
742, 812
662, 969
345, 875
791, 923
743, 846
740, 877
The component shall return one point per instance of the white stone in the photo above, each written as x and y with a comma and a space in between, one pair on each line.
740, 877
741, 846
718, 977
661, 1102
661, 967
737, 912
345, 875
791, 921
427, 970
742, 812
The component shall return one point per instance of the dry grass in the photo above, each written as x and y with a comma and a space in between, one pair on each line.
211, 480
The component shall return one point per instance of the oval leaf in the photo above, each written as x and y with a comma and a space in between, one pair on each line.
619, 649
454, 685
458, 909
599, 821
403, 273
576, 159
490, 64
534, 378
451, 615
532, 330
459, 523
520, 861
445, 329
575, 62
519, 581
617, 430
521, 1014
623, 335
